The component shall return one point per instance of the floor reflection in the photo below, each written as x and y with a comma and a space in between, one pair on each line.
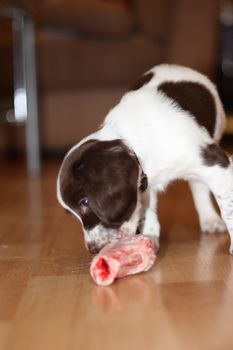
131, 292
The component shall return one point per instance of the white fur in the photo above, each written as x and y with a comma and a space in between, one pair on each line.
167, 141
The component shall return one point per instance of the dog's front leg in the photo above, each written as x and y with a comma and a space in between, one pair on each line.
150, 224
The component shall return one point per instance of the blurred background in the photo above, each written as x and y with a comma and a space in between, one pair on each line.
65, 63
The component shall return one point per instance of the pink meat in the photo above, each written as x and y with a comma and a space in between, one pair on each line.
128, 256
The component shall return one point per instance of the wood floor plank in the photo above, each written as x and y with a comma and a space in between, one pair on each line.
48, 300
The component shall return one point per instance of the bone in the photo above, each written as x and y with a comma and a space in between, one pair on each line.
128, 256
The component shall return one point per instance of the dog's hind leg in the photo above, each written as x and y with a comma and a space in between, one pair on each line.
217, 173
209, 220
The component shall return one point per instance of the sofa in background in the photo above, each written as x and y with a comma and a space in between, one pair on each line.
90, 52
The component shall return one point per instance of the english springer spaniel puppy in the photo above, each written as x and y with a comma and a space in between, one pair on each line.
166, 127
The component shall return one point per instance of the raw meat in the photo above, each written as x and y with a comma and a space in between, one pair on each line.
128, 256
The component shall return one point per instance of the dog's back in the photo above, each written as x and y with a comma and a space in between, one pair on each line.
166, 117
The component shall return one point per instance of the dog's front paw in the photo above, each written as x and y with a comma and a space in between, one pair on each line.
213, 224
154, 239
153, 233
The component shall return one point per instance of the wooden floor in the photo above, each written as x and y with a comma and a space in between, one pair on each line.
49, 302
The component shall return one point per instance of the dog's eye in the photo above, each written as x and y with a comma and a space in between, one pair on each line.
84, 204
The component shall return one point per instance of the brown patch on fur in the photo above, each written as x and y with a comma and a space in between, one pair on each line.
144, 79
214, 155
193, 98
106, 173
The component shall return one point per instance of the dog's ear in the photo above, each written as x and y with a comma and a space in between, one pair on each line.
109, 174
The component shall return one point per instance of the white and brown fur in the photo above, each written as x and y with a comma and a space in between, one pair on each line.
167, 126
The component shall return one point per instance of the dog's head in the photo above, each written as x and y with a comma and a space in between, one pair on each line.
99, 183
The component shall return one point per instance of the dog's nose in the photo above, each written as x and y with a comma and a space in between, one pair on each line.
93, 249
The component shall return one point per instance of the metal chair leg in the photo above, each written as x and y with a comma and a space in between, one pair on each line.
32, 129
25, 86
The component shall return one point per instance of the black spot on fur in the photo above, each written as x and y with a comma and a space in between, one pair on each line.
214, 155
193, 98
144, 79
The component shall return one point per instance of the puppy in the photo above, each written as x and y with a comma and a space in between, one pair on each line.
166, 127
